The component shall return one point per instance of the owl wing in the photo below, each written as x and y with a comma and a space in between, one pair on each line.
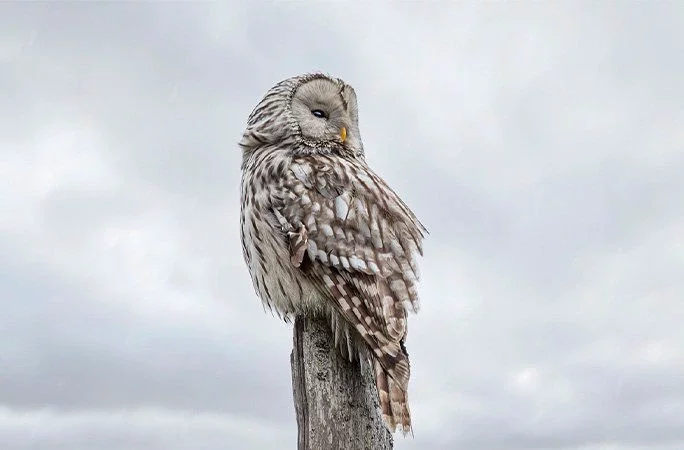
357, 240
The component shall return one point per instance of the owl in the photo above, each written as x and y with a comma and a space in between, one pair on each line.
324, 235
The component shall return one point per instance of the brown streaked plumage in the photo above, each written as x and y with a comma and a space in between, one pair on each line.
323, 234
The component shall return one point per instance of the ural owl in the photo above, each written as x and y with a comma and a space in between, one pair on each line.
324, 234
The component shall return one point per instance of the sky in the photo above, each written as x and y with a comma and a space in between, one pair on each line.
541, 143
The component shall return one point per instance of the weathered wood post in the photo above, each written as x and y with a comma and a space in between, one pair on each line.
336, 401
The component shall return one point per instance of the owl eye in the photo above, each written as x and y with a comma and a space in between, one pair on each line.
319, 113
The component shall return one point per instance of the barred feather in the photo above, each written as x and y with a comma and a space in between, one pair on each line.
321, 232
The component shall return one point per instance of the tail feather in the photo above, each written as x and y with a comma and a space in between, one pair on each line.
393, 401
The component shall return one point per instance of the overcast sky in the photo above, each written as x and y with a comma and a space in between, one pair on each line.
542, 143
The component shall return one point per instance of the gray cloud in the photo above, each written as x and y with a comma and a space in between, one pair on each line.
541, 145
145, 428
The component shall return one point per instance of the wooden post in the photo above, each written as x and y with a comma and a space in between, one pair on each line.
336, 401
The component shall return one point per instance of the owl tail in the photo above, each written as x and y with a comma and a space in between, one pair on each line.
393, 402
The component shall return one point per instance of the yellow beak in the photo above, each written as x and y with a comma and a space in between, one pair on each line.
343, 134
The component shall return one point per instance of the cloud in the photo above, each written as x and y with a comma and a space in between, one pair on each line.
541, 147
151, 428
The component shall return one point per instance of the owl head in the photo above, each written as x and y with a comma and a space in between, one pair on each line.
311, 113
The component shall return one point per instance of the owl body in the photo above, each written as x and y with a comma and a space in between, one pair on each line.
323, 234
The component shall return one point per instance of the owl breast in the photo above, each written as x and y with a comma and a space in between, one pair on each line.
280, 286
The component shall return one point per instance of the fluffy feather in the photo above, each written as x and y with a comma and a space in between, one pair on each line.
321, 232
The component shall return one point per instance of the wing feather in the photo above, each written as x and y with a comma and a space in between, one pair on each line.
362, 241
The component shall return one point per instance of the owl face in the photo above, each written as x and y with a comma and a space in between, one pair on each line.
326, 111
307, 114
